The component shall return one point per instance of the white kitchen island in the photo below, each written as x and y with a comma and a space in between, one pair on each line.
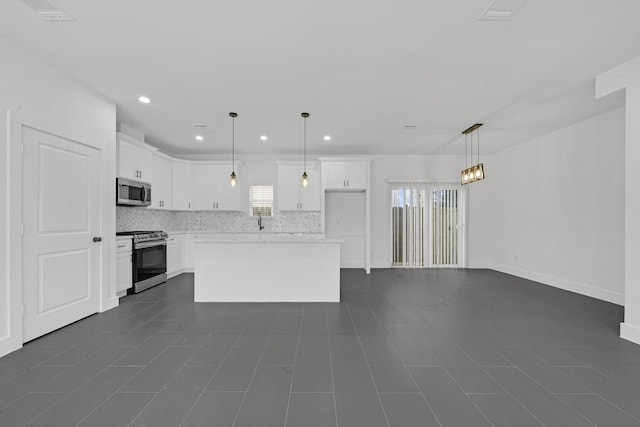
267, 268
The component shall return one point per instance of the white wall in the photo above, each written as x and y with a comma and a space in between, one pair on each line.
35, 93
627, 77
552, 209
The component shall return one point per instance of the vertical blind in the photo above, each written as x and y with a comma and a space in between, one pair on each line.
261, 200
426, 219
445, 223
408, 213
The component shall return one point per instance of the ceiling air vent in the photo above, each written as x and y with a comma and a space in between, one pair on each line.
48, 11
502, 10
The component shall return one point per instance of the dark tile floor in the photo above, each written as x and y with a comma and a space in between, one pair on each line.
404, 348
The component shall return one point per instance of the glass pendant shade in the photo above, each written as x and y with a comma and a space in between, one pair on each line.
233, 179
305, 180
475, 172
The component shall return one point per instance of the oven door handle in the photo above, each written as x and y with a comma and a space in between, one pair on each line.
145, 245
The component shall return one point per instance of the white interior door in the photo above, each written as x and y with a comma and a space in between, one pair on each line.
61, 216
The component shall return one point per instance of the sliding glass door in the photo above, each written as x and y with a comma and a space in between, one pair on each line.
427, 225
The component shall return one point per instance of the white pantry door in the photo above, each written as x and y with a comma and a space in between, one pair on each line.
61, 216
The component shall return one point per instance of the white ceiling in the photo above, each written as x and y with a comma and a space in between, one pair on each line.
362, 68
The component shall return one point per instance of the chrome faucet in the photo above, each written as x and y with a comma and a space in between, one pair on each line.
260, 222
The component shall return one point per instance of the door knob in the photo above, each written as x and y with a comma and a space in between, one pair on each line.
97, 239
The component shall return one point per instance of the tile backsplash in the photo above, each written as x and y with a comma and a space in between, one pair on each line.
131, 218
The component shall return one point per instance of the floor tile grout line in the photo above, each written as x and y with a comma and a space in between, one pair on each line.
204, 389
293, 374
254, 373
384, 412
131, 379
522, 404
402, 361
507, 392
593, 392
83, 384
333, 384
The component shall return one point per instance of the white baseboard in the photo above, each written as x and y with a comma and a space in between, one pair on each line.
567, 285
175, 273
630, 332
479, 264
111, 303
5, 346
351, 264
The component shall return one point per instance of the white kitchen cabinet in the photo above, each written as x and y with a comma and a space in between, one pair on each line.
292, 196
212, 189
189, 252
182, 185
340, 176
124, 272
162, 190
134, 159
205, 184
345, 175
172, 256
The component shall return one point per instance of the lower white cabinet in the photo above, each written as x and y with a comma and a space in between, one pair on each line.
189, 252
124, 272
172, 256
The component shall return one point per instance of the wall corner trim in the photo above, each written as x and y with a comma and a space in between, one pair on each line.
630, 332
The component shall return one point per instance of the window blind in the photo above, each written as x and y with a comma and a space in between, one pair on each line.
261, 200
426, 224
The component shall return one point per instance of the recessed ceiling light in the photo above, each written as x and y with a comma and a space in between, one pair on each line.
327, 138
144, 99
264, 137
199, 138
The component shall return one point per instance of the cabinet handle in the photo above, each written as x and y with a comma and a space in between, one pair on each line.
189, 205
121, 246
347, 183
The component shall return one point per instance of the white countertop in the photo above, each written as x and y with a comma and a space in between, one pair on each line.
233, 233
268, 238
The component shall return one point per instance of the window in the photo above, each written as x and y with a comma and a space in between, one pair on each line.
261, 200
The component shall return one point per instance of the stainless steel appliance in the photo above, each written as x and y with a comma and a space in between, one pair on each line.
132, 193
149, 258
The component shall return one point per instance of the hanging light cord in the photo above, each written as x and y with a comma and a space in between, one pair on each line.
466, 152
305, 143
233, 143
478, 145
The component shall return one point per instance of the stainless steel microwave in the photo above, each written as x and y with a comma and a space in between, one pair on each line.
132, 193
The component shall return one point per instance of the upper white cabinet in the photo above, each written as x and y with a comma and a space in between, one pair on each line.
345, 175
292, 196
212, 188
162, 190
134, 159
182, 187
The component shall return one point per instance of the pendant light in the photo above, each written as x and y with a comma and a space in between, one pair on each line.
305, 180
476, 172
233, 148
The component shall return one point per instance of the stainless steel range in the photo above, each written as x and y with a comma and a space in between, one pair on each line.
149, 258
